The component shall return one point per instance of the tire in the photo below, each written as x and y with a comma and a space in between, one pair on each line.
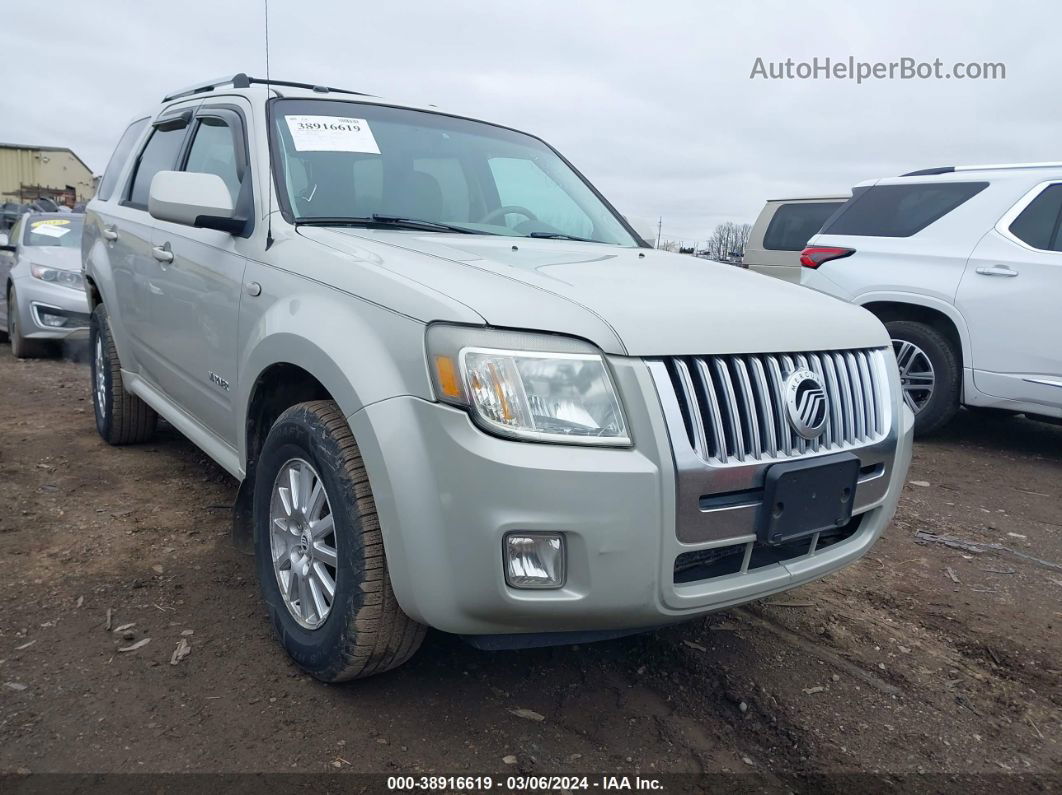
21, 348
121, 417
364, 631
942, 403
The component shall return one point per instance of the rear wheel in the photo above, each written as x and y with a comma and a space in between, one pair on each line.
319, 550
21, 348
930, 373
121, 417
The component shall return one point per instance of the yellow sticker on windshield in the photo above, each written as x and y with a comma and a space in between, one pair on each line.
51, 222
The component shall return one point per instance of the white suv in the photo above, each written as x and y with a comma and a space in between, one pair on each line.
963, 264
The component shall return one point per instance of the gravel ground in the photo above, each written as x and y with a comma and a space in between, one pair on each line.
936, 659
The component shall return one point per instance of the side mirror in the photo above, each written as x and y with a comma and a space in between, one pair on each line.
645, 228
193, 199
5, 242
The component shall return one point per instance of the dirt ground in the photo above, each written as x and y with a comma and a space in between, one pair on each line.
922, 663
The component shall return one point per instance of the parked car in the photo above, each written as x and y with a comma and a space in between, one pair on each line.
781, 232
10, 212
44, 299
964, 266
455, 388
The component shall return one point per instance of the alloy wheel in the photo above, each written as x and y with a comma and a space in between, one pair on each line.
302, 540
101, 383
917, 377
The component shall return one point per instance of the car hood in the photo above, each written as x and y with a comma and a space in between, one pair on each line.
641, 302
68, 259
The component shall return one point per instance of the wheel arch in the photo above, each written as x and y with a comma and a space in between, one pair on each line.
938, 314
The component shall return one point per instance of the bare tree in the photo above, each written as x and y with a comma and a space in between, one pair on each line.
728, 241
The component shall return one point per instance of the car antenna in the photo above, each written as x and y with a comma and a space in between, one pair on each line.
269, 159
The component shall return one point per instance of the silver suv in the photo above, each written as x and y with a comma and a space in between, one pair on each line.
459, 391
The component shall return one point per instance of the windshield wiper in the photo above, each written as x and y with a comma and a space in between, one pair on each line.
391, 221
561, 236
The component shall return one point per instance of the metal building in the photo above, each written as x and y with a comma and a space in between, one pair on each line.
27, 172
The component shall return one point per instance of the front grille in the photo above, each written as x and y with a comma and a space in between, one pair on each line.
734, 411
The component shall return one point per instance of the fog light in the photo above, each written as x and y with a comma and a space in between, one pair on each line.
534, 560
53, 321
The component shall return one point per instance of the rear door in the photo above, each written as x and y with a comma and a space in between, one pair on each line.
779, 236
128, 230
1010, 294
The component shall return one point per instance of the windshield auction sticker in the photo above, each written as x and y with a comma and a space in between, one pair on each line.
331, 134
49, 230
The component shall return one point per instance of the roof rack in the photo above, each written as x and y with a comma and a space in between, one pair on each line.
241, 80
926, 172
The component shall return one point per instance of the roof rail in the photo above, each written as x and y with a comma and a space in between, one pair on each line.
928, 172
925, 172
241, 80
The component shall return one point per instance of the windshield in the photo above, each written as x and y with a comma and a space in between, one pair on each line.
51, 231
354, 161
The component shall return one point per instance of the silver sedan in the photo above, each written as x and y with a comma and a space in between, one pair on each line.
43, 298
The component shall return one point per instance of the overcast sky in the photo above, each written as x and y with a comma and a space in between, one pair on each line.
652, 101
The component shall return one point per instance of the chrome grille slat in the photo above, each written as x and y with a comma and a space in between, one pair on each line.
766, 406
733, 421
857, 396
700, 441
735, 408
752, 421
713, 409
869, 399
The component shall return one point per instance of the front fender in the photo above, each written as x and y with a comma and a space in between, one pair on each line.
360, 352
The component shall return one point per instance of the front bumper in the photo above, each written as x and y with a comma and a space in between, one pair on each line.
447, 493
38, 299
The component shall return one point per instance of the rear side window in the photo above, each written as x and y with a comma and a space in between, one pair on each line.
900, 210
794, 224
160, 154
1038, 224
117, 161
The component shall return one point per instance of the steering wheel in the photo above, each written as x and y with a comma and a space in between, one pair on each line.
505, 209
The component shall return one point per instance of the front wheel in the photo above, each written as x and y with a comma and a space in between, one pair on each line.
930, 373
319, 550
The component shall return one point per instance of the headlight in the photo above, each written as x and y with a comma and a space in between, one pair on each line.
63, 278
528, 386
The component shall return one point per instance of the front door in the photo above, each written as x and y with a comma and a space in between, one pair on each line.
199, 276
1009, 296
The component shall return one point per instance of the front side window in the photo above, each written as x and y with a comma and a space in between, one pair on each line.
349, 162
1038, 223
52, 232
900, 210
118, 159
213, 151
160, 154
793, 225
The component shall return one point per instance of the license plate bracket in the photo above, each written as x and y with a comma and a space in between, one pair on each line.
801, 498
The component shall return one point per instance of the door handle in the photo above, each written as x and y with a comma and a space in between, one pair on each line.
110, 232
997, 270
162, 253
